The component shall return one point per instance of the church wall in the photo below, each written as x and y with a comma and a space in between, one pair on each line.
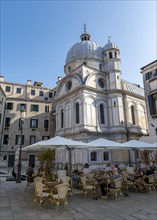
90, 113
140, 111
114, 80
141, 116
121, 110
112, 65
75, 64
64, 89
92, 80
116, 109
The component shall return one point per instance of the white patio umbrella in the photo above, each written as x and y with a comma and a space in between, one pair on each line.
34, 147
104, 143
155, 145
55, 142
137, 145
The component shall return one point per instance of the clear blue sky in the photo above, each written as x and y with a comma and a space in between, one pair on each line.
36, 35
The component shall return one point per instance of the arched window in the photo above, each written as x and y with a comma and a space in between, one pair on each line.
62, 118
69, 69
133, 114
93, 156
77, 113
102, 116
68, 85
115, 54
110, 55
101, 83
106, 155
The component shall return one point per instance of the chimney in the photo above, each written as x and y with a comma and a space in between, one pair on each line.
1, 78
29, 82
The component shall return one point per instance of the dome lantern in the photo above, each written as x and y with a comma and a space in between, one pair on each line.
85, 36
110, 45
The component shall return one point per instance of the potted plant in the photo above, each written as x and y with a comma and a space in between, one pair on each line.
47, 157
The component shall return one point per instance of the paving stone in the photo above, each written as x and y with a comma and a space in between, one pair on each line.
16, 205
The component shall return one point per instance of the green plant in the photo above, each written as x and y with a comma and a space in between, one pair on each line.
47, 157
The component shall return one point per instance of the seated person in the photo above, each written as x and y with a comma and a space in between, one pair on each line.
103, 186
138, 171
85, 170
153, 166
114, 176
108, 167
143, 179
30, 173
76, 178
148, 171
128, 176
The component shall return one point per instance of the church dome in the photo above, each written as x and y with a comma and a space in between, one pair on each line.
84, 49
109, 46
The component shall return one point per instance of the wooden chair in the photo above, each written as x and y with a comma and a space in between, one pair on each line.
151, 182
39, 193
90, 175
68, 180
28, 182
88, 187
59, 194
38, 179
155, 180
117, 190
127, 183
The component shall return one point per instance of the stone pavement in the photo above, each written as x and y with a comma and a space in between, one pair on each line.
15, 204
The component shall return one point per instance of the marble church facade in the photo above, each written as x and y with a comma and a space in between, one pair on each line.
93, 101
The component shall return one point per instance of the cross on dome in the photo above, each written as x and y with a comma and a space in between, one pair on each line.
85, 27
109, 37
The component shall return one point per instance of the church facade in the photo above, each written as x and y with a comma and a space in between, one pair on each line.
93, 101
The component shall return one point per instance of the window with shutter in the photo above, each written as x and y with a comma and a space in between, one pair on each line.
77, 113
102, 116
93, 156
62, 118
151, 102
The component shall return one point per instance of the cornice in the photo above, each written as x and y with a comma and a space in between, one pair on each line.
105, 92
28, 100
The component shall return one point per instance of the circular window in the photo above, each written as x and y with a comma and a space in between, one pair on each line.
69, 85
4, 157
101, 83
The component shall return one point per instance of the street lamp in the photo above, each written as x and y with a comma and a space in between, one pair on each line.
21, 125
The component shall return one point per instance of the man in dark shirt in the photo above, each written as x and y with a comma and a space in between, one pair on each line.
30, 173
148, 172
